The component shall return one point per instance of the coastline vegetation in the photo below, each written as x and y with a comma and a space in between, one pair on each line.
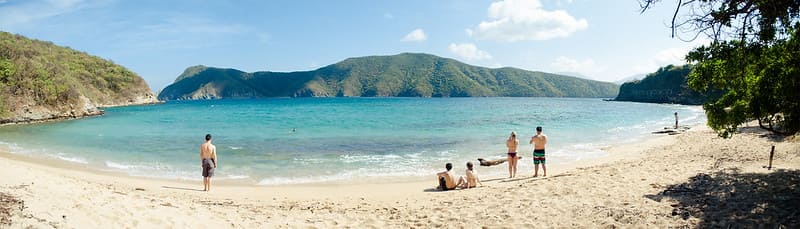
667, 85
37, 73
753, 58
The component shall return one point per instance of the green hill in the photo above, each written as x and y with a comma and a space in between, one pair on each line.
42, 81
403, 75
667, 85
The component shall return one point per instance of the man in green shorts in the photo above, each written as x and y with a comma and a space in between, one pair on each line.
538, 141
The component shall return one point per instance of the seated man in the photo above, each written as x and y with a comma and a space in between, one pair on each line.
446, 180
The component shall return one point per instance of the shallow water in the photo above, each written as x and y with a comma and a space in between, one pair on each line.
307, 140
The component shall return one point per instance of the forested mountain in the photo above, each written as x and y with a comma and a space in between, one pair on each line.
42, 81
405, 75
667, 85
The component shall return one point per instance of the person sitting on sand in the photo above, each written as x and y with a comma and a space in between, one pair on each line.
208, 160
512, 144
446, 180
471, 180
538, 141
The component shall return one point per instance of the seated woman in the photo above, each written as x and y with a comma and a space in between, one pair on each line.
471, 180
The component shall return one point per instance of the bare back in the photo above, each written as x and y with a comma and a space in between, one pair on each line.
512, 144
208, 151
472, 179
539, 141
449, 179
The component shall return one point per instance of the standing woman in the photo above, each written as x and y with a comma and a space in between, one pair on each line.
512, 144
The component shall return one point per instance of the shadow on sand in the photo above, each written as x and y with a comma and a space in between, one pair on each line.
741, 200
179, 188
762, 133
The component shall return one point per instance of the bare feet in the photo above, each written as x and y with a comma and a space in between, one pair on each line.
535, 175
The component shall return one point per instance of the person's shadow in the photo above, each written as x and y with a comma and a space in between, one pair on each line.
179, 188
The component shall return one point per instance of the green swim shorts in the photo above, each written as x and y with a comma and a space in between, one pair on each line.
538, 156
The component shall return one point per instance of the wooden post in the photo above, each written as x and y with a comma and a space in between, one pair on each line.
771, 153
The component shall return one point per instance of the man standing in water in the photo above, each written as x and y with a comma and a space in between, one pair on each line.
512, 144
538, 141
208, 160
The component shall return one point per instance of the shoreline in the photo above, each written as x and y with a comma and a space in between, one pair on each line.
67, 117
575, 148
629, 188
57, 118
613, 153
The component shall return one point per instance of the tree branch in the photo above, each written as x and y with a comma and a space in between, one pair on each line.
675, 15
646, 6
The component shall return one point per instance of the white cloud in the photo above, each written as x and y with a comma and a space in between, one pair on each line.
518, 20
664, 57
29, 11
671, 56
314, 65
388, 16
667, 56
468, 51
496, 65
184, 32
193, 25
264, 37
417, 35
559, 2
584, 67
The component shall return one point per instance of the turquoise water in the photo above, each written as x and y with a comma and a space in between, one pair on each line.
308, 140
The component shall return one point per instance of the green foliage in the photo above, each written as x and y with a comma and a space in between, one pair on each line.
43, 74
761, 82
407, 75
754, 60
7, 70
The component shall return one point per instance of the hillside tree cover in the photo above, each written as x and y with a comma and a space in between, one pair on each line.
402, 75
753, 57
667, 85
37, 74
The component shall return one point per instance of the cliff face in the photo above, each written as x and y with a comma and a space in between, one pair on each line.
40, 81
667, 85
402, 75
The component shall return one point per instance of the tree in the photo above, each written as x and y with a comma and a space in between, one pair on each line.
753, 58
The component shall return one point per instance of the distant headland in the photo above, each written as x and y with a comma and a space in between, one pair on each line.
401, 75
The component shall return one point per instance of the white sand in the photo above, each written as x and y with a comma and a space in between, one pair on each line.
694, 179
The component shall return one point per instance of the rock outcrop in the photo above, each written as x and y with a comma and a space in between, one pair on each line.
40, 81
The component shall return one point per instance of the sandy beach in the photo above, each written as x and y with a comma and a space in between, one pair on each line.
695, 179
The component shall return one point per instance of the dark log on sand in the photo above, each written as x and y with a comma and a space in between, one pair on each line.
485, 162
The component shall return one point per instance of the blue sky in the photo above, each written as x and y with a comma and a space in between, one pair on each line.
158, 39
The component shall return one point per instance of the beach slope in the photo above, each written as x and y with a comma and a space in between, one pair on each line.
695, 179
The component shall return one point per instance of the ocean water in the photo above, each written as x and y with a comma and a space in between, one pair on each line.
312, 140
